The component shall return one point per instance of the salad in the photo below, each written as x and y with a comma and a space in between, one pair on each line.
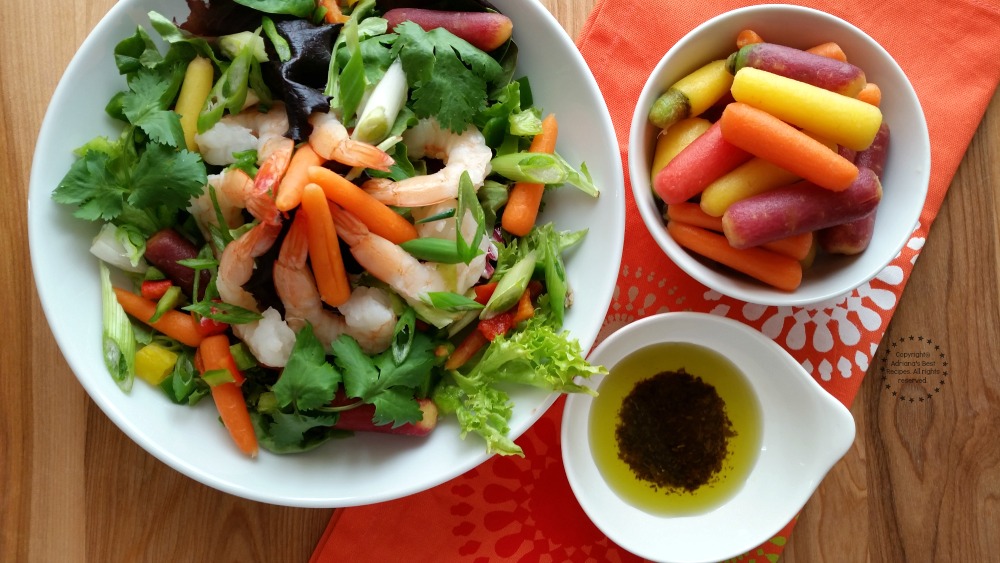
324, 215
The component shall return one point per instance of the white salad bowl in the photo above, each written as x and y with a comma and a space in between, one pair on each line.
904, 180
367, 468
805, 431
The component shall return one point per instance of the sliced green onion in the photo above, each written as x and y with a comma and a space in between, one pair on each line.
170, 299
352, 81
383, 106
241, 354
510, 287
281, 46
223, 312
467, 200
118, 340
452, 302
543, 168
555, 280
446, 214
217, 377
433, 250
402, 335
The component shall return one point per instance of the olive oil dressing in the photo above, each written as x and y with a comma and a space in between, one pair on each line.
675, 429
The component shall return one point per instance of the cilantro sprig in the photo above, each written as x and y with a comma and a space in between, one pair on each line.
143, 178
450, 78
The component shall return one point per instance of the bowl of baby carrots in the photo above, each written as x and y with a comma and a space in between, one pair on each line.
779, 155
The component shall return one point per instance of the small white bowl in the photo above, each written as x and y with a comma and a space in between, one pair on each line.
904, 180
805, 431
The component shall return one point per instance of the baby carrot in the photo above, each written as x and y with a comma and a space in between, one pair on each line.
830, 50
871, 94
838, 117
672, 141
769, 267
747, 37
707, 158
177, 325
324, 247
194, 91
296, 177
796, 246
770, 138
215, 355
377, 216
522, 204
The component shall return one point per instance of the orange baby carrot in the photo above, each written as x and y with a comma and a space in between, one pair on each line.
228, 398
177, 325
747, 37
795, 246
871, 94
769, 267
689, 213
377, 216
522, 205
324, 247
296, 177
830, 50
767, 137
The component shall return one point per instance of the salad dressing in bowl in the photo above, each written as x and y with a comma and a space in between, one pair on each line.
688, 457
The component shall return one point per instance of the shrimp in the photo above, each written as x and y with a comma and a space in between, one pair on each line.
466, 152
269, 339
253, 130
387, 261
367, 316
232, 188
331, 141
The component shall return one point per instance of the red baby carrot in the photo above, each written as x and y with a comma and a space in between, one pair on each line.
215, 355
522, 204
177, 325
324, 247
707, 158
689, 213
769, 267
770, 138
296, 177
377, 216
830, 50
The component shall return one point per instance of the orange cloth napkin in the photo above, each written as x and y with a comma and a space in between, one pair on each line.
522, 509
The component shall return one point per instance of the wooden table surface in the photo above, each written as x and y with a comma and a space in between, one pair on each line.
920, 484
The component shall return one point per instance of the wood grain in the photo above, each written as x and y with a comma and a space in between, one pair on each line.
919, 484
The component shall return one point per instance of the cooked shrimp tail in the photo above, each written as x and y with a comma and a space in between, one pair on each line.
331, 140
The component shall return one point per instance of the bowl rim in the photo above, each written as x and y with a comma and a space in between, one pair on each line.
628, 526
730, 283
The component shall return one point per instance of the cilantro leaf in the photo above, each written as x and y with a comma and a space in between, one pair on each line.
97, 183
308, 380
281, 432
380, 381
450, 78
167, 177
146, 104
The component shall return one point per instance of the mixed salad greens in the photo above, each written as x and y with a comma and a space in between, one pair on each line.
490, 317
